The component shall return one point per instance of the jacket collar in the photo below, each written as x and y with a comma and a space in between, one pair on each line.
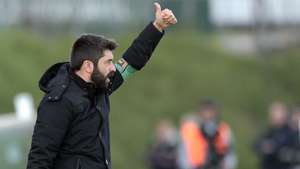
89, 87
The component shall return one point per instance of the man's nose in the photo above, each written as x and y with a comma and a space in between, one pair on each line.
113, 68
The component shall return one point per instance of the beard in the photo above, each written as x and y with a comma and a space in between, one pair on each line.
101, 81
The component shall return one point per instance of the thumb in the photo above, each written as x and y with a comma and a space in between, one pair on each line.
157, 8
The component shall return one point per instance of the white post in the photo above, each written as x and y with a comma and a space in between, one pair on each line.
24, 106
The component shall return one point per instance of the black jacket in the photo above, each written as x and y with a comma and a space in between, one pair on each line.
277, 139
72, 126
163, 155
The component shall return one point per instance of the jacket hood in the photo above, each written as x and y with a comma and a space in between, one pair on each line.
56, 76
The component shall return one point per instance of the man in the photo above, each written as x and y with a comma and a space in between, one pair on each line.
162, 153
270, 144
207, 142
290, 152
72, 127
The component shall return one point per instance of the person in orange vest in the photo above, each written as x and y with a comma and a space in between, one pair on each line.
206, 141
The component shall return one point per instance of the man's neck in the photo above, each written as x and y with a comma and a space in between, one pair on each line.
83, 76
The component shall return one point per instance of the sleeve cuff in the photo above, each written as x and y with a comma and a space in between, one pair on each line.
151, 32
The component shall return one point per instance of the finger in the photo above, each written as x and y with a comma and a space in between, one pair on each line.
164, 15
167, 13
173, 21
157, 7
170, 20
165, 10
167, 18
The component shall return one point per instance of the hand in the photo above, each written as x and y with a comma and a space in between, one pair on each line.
163, 18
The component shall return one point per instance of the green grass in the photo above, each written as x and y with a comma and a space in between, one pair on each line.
186, 66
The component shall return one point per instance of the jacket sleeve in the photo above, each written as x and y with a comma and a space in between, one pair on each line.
137, 55
51, 125
143, 46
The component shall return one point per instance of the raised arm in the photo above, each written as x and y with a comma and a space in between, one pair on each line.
140, 51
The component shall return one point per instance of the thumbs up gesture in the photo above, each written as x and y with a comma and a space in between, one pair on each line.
163, 18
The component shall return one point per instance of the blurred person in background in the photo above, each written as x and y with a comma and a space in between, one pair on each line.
270, 144
162, 154
290, 152
72, 126
207, 142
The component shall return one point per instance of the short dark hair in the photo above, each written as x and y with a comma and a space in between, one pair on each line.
208, 104
89, 47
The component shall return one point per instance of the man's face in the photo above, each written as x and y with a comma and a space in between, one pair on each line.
104, 71
208, 115
209, 122
278, 116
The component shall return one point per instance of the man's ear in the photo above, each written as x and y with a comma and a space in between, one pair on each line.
88, 66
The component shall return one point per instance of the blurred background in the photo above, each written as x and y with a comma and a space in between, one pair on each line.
243, 54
